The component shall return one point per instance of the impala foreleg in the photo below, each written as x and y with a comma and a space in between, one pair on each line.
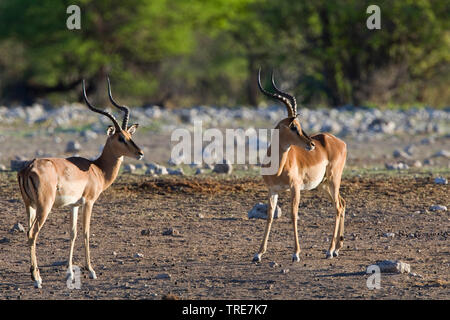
273, 198
294, 215
87, 211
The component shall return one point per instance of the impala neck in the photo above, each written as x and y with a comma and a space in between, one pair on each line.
109, 163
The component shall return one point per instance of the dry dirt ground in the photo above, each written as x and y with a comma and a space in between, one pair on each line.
209, 256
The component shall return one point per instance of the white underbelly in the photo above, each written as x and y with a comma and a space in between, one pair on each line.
312, 184
315, 177
65, 200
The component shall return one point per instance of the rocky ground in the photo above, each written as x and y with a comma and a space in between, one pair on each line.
191, 237
168, 228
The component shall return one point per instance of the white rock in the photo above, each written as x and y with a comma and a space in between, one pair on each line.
73, 147
389, 235
442, 153
259, 211
390, 266
129, 168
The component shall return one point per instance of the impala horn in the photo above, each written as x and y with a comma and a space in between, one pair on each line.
105, 113
124, 109
287, 99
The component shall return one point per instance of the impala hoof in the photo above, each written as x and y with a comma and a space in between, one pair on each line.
92, 275
295, 258
330, 255
257, 258
38, 284
335, 254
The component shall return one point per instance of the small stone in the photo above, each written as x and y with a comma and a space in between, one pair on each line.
3, 167
145, 232
201, 216
273, 264
400, 154
417, 164
259, 211
440, 180
199, 171
284, 271
442, 153
139, 255
176, 172
389, 235
412, 274
390, 266
438, 208
170, 232
18, 227
114, 253
225, 167
129, 168
88, 135
163, 276
73, 147
4, 240
17, 165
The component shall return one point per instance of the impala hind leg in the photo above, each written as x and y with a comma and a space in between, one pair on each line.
73, 236
36, 225
31, 214
87, 211
273, 198
338, 233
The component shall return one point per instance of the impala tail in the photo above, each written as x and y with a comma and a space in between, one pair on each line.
28, 183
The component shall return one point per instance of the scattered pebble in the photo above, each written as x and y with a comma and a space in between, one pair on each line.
389, 235
129, 168
139, 255
438, 208
18, 227
4, 240
163, 276
440, 180
171, 232
225, 167
73, 147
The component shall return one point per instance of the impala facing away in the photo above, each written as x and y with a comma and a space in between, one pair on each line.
305, 163
74, 182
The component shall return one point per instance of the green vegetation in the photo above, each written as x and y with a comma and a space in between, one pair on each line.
184, 53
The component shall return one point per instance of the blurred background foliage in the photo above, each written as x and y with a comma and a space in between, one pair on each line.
180, 53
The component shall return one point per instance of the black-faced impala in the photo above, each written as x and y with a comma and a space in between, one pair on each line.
305, 163
76, 183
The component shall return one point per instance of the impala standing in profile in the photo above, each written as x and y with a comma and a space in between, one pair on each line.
76, 183
305, 162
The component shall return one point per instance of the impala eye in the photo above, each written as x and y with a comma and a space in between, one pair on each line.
121, 139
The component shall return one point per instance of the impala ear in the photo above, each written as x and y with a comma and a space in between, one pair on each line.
131, 130
110, 131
